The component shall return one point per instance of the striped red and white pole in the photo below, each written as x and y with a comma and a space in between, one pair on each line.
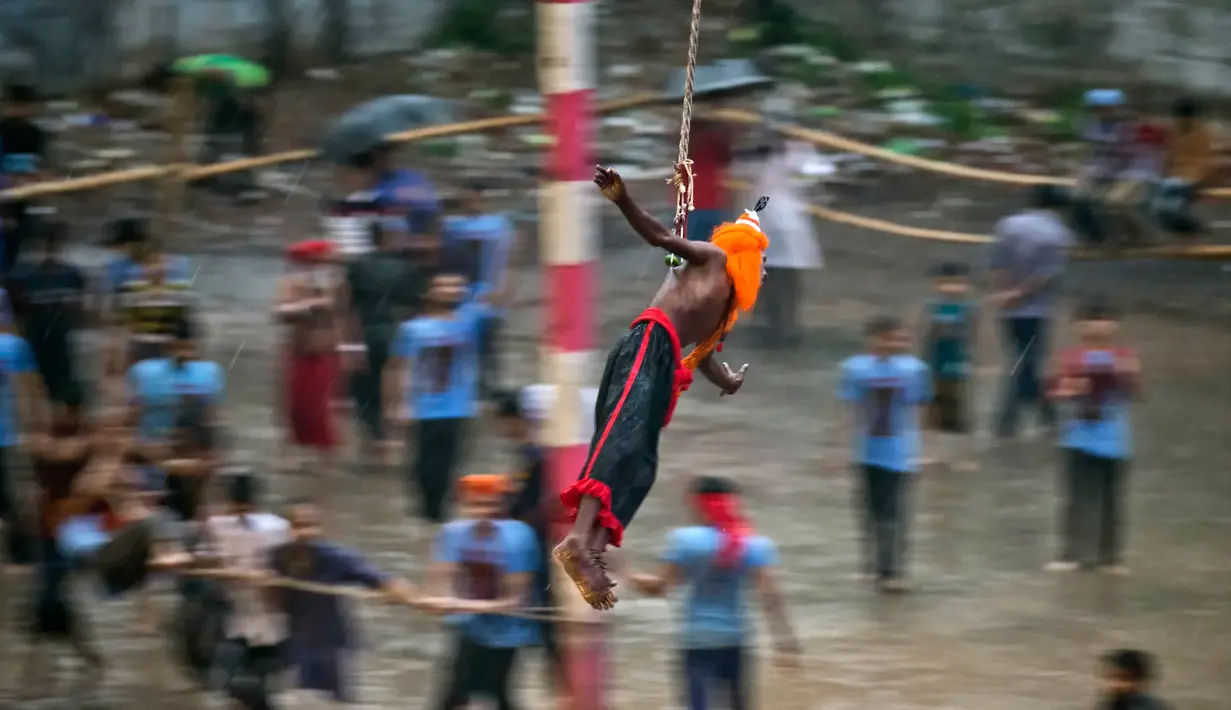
568, 248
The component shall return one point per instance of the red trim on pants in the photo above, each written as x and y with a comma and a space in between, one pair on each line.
586, 486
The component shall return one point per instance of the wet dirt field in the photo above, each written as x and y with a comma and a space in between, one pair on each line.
985, 629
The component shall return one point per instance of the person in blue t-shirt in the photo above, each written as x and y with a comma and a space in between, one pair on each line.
950, 327
432, 378
489, 237
483, 565
19, 396
716, 562
1096, 381
885, 389
161, 391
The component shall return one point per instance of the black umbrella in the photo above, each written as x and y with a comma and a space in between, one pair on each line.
364, 127
727, 76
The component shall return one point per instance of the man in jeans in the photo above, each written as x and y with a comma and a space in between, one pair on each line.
884, 388
1028, 259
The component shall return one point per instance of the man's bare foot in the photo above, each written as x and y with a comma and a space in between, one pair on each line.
588, 570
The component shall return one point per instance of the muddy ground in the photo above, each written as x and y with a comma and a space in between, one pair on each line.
984, 629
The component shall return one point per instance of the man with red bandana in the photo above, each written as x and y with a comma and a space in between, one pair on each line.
711, 157
717, 561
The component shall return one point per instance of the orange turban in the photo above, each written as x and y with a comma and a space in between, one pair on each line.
745, 245
478, 485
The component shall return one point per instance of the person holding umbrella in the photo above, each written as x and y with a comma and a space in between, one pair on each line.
230, 87
405, 200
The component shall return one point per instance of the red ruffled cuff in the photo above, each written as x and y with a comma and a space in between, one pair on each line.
571, 499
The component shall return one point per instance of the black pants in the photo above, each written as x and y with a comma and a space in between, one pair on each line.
1027, 350
438, 446
721, 670
250, 672
883, 510
58, 370
366, 387
1093, 511
779, 305
232, 116
476, 670
489, 357
19, 227
19, 540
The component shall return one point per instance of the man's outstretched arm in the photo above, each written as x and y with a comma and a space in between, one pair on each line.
644, 224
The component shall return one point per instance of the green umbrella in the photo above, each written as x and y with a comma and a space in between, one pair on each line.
242, 73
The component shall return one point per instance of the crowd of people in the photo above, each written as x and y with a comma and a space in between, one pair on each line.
404, 302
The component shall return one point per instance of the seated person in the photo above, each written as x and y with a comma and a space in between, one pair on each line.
1111, 140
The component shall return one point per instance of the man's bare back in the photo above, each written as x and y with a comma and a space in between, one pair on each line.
697, 297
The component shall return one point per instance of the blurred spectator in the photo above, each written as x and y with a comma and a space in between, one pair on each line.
322, 633
1110, 136
1127, 676
431, 382
165, 395
1027, 262
719, 561
883, 389
244, 540
1128, 200
950, 327
23, 160
230, 90
794, 253
59, 457
1186, 168
1097, 381
489, 237
711, 151
307, 304
151, 302
490, 561
530, 505
48, 296
397, 193
20, 399
133, 252
383, 289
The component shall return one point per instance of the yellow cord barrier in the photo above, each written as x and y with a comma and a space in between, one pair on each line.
1194, 252
816, 137
836, 142
192, 173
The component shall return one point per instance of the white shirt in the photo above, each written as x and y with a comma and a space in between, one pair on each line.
247, 545
792, 241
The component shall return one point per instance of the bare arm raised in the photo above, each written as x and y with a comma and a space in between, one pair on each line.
644, 224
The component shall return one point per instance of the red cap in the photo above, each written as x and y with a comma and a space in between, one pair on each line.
310, 251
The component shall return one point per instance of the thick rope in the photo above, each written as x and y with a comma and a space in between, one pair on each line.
357, 593
682, 180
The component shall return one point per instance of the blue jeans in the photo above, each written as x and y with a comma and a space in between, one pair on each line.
1026, 338
702, 223
721, 669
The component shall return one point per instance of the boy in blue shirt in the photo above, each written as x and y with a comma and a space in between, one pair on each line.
716, 561
483, 566
432, 377
1097, 380
950, 325
885, 389
488, 236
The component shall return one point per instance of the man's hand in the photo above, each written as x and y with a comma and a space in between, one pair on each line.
735, 380
1006, 299
610, 182
1129, 366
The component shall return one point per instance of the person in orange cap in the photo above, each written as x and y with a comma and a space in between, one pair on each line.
698, 304
307, 304
491, 560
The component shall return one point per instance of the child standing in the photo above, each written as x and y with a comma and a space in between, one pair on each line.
884, 389
950, 325
1097, 379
